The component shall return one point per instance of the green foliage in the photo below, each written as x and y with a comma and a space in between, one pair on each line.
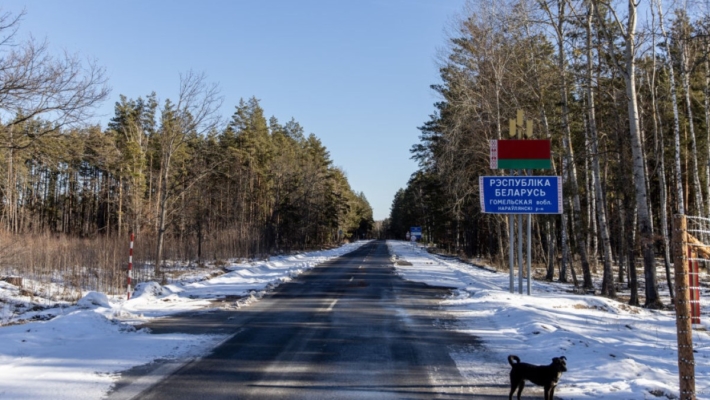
503, 59
265, 185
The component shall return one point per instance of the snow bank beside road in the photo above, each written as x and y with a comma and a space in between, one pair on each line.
78, 351
613, 351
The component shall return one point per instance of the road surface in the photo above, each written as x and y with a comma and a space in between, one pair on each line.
347, 329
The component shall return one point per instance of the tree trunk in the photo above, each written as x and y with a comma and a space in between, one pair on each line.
550, 252
685, 79
676, 118
8, 210
661, 171
120, 202
622, 241
162, 211
571, 167
628, 71
565, 252
557, 22
707, 125
608, 288
644, 222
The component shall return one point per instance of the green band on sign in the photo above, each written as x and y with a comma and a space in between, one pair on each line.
524, 164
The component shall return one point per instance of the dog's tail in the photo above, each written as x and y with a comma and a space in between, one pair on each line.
512, 358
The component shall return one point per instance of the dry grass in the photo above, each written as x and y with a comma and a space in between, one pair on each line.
75, 265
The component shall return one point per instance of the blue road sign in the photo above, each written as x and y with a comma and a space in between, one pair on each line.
416, 231
521, 194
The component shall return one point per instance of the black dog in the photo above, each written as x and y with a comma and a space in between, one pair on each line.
543, 375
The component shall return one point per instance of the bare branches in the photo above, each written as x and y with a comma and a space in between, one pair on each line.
61, 89
195, 113
8, 27
200, 101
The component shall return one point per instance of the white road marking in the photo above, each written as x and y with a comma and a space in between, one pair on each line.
332, 304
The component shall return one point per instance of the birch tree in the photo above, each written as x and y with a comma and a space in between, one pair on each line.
627, 69
676, 117
601, 212
660, 157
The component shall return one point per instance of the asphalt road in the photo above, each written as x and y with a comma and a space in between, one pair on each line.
347, 329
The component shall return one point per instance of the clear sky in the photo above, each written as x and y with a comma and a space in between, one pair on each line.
356, 73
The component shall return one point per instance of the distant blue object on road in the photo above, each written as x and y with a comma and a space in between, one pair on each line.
416, 232
521, 194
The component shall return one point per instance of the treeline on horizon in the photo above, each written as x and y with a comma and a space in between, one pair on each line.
622, 90
190, 185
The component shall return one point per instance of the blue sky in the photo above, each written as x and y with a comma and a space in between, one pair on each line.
355, 73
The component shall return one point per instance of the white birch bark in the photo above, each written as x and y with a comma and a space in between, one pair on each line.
628, 71
608, 279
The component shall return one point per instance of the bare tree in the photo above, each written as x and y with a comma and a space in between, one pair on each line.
627, 68
34, 83
674, 103
660, 157
558, 22
61, 90
608, 280
706, 96
194, 114
686, 69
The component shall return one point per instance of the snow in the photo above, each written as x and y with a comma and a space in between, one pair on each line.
62, 351
613, 351
54, 350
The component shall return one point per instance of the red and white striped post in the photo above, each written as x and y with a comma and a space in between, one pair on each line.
130, 269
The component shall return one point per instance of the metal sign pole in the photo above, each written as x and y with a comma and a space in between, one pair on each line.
520, 254
130, 269
529, 253
511, 254
529, 249
518, 195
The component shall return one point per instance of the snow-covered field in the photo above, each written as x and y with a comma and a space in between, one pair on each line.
613, 351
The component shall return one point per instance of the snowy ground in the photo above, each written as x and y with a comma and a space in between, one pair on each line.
613, 351
59, 351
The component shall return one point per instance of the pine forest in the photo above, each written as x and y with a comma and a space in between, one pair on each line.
192, 186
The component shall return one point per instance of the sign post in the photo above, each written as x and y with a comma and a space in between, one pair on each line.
416, 233
517, 195
511, 252
129, 277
